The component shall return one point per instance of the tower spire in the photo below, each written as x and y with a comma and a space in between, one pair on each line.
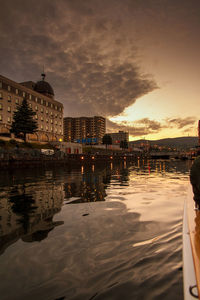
43, 74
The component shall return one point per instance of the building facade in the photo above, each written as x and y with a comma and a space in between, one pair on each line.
88, 130
40, 97
117, 137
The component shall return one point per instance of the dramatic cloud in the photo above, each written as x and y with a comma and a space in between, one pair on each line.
146, 126
138, 128
181, 122
88, 57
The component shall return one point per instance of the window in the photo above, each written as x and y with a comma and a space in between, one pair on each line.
36, 107
42, 101
9, 88
47, 120
30, 96
46, 103
24, 94
51, 121
42, 119
9, 98
56, 122
47, 128
16, 91
1, 95
51, 113
42, 109
9, 108
36, 117
0, 84
56, 107
16, 100
36, 99
41, 126
51, 105
51, 128
47, 111
56, 115
1, 118
30, 105
9, 119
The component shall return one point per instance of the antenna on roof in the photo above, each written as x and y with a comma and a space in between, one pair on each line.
43, 74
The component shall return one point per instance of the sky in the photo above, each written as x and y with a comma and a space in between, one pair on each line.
135, 62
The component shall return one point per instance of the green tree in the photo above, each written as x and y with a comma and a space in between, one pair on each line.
124, 144
107, 140
23, 122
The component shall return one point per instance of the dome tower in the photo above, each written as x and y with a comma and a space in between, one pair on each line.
43, 87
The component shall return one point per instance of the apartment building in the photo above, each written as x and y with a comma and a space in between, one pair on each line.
86, 130
40, 96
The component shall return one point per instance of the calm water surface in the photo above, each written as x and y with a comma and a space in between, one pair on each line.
111, 232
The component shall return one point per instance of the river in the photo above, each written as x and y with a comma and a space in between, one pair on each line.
106, 232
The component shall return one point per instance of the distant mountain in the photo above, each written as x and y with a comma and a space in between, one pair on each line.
179, 142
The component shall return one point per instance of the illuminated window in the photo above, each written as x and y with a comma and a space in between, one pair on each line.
9, 119
46, 103
1, 118
36, 107
16, 100
1, 95
30, 96
42, 119
30, 105
36, 117
47, 120
51, 121
9, 88
24, 94
42, 109
51, 105
36, 99
41, 126
9, 108
47, 128
42, 101
9, 98
16, 91
47, 111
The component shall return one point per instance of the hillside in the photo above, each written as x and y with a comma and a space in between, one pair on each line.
179, 142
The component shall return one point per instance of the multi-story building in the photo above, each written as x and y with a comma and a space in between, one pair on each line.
117, 137
40, 96
84, 129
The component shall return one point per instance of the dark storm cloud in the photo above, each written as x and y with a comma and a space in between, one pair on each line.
89, 60
181, 122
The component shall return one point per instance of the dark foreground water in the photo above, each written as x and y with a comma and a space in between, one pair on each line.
111, 232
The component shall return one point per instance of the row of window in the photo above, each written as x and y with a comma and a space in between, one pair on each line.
30, 97
36, 108
41, 126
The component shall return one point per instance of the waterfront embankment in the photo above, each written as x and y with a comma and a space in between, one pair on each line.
34, 157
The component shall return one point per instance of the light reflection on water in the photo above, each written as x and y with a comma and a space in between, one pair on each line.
108, 232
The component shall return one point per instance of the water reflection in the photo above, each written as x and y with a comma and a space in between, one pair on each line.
112, 248
27, 212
